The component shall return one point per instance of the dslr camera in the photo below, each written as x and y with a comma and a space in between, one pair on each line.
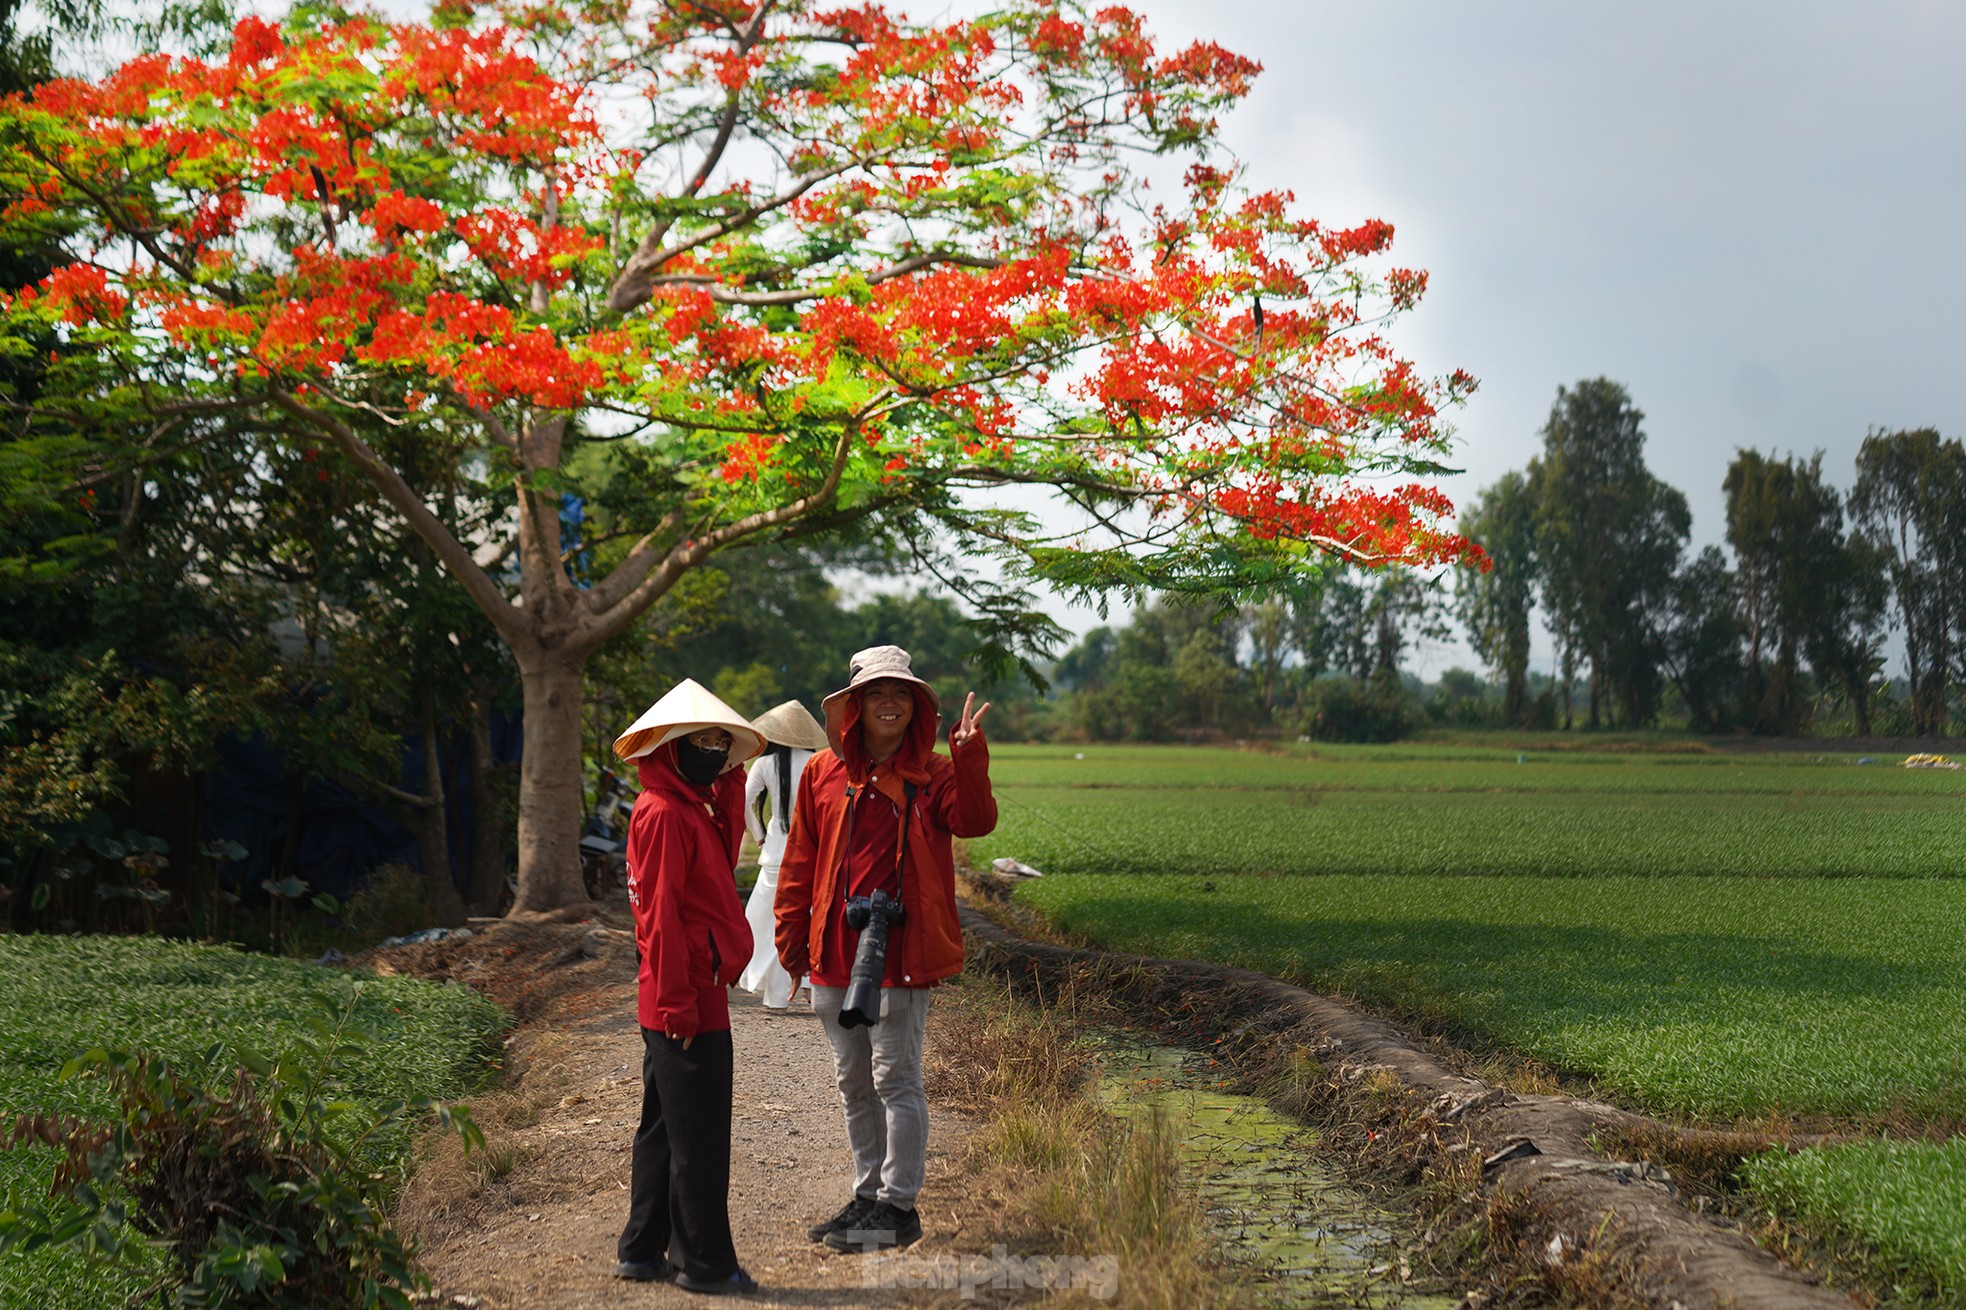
869, 916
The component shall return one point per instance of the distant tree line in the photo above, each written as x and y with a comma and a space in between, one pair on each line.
1781, 632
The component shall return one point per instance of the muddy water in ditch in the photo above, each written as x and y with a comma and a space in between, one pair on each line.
1316, 1241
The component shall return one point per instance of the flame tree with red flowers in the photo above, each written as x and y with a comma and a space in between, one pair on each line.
816, 264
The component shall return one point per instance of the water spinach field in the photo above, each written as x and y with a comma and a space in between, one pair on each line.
65, 995
1708, 935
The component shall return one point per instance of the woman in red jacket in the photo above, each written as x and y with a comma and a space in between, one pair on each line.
693, 940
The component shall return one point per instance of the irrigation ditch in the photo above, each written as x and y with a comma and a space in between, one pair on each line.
1517, 1186
1272, 1206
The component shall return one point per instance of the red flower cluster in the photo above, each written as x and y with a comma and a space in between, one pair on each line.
937, 265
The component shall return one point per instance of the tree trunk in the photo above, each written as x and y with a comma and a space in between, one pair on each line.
549, 784
491, 813
1569, 675
432, 824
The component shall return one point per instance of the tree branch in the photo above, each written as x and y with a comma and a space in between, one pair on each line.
634, 566
796, 295
624, 610
456, 559
632, 288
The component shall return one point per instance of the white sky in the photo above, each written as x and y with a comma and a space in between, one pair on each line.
1749, 213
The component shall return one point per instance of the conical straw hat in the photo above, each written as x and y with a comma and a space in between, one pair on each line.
791, 724
689, 705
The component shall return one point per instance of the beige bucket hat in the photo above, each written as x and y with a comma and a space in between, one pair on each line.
688, 706
791, 724
870, 665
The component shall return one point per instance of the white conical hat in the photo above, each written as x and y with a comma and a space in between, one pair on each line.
791, 724
689, 705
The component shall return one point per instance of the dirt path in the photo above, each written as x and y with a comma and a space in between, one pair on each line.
541, 1234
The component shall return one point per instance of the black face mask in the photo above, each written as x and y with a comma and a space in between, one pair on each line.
698, 765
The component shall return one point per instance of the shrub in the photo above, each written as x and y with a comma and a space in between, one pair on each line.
1358, 709
256, 1181
393, 901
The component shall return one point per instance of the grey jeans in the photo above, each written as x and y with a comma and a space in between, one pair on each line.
879, 1070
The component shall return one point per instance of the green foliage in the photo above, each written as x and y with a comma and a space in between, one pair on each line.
1359, 709
253, 1177
1908, 502
1707, 934
67, 719
1608, 538
174, 1001
1807, 589
768, 625
1495, 606
1900, 1205
1184, 668
394, 900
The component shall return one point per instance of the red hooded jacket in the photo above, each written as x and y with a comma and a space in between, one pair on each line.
952, 799
689, 925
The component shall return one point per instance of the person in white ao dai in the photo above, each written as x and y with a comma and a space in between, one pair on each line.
774, 778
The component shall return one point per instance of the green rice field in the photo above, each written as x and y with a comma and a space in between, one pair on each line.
1457, 811
64, 995
1709, 935
1904, 1202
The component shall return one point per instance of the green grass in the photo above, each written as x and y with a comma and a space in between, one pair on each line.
64, 995
1711, 935
1713, 998
1136, 830
1706, 934
1463, 810
1423, 768
1902, 1205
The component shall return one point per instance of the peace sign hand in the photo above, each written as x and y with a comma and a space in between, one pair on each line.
970, 723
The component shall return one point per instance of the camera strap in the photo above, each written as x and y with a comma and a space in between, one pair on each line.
901, 850
855, 796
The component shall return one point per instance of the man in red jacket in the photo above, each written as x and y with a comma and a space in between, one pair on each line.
876, 813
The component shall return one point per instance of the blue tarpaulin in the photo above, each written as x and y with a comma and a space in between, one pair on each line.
254, 797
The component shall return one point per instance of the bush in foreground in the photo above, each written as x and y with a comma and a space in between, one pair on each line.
183, 1005
254, 1181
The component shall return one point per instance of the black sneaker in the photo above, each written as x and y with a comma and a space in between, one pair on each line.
645, 1271
883, 1228
850, 1214
737, 1284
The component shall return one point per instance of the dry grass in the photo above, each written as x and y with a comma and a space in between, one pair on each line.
1052, 1172
541, 970
453, 1190
1528, 1264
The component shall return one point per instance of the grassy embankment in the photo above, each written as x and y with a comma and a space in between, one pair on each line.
1711, 936
1054, 1171
64, 995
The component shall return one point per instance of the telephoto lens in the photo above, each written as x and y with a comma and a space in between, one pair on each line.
869, 916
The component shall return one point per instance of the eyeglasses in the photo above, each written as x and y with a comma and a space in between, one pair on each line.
709, 739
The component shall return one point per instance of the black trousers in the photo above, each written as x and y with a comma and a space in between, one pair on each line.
679, 1189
